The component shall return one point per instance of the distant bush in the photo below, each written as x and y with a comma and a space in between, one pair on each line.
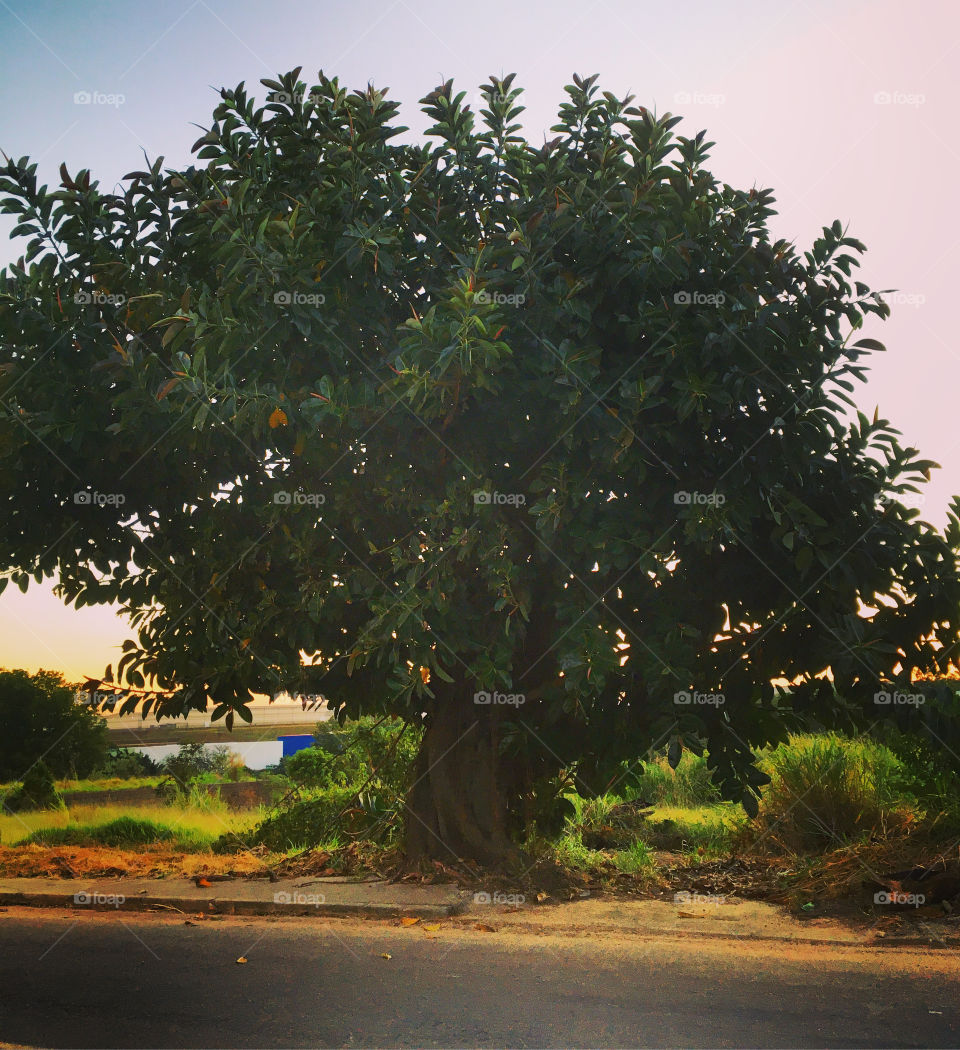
38, 791
125, 763
194, 760
827, 790
312, 767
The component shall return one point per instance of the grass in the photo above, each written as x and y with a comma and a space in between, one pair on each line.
705, 830
188, 827
107, 784
828, 791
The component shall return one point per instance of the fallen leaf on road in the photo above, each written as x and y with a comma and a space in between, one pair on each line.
242, 959
484, 927
409, 920
431, 926
385, 955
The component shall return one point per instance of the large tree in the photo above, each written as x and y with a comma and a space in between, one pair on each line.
557, 427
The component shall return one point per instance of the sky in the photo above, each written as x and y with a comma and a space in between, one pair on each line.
845, 109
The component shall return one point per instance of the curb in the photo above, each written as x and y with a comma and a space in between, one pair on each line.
230, 906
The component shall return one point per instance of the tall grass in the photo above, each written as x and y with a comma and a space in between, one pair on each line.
199, 825
828, 790
687, 785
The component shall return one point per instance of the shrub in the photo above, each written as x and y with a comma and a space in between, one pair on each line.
193, 760
337, 812
687, 785
37, 791
124, 763
313, 767
827, 790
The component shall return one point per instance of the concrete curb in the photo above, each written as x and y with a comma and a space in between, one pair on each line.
289, 897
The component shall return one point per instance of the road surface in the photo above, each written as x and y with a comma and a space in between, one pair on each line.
147, 980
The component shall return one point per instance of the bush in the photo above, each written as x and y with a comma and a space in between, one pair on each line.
125, 764
335, 813
40, 716
37, 791
313, 767
827, 790
193, 760
688, 785
381, 751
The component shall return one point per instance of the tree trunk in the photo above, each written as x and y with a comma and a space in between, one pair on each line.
459, 805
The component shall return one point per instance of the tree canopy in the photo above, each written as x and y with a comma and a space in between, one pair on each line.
43, 724
548, 448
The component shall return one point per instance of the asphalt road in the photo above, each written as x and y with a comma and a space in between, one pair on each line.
127, 980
